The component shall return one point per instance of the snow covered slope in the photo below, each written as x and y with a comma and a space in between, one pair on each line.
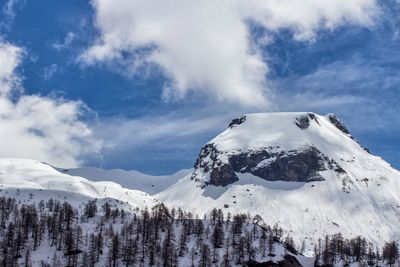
301, 170
32, 180
129, 179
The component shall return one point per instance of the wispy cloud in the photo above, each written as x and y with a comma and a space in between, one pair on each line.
359, 90
49, 71
152, 143
155, 128
65, 43
9, 12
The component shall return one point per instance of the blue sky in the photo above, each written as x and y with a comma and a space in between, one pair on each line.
146, 112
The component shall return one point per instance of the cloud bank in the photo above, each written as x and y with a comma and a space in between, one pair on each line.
206, 47
38, 127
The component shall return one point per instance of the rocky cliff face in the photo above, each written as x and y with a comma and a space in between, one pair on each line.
221, 174
294, 166
272, 163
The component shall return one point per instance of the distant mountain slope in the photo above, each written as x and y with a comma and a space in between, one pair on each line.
129, 179
29, 179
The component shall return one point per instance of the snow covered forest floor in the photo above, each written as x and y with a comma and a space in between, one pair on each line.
54, 233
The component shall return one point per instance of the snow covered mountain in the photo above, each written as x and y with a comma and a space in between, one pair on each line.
302, 171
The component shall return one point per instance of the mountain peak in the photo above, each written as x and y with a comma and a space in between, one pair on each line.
284, 146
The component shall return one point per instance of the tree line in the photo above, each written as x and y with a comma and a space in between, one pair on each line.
53, 233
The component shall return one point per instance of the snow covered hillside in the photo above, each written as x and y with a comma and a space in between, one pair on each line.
31, 180
302, 171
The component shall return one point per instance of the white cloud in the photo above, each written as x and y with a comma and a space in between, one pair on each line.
305, 17
33, 126
10, 58
205, 46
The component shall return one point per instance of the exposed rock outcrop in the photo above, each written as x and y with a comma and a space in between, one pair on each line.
298, 166
287, 261
221, 174
335, 121
237, 121
303, 121
294, 166
340, 125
